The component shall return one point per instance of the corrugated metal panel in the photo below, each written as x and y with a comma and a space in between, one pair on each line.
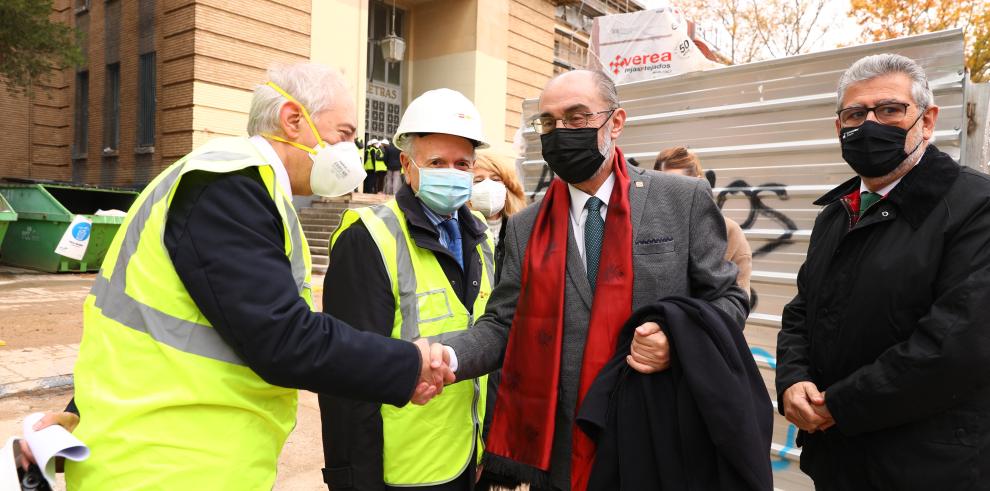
767, 130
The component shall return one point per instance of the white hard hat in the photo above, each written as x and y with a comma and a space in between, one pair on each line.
442, 111
374, 141
384, 141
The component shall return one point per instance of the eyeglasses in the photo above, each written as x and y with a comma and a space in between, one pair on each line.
546, 124
889, 113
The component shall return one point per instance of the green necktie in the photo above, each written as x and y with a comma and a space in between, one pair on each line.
866, 200
594, 232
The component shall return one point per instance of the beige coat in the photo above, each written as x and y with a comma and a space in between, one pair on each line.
739, 252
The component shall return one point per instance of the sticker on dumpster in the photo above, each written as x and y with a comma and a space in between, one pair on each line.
75, 239
80, 231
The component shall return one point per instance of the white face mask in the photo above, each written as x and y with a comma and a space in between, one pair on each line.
337, 169
488, 197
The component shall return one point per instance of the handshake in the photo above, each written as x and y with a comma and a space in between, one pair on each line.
434, 373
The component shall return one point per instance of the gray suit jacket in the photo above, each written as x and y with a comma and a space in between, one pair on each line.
678, 249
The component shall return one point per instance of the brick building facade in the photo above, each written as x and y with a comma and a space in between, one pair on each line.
161, 77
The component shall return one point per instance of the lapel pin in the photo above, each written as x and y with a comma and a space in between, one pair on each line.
639, 184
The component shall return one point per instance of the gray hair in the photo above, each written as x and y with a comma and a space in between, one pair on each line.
606, 88
313, 85
873, 66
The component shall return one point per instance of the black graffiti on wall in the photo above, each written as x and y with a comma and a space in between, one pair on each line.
758, 208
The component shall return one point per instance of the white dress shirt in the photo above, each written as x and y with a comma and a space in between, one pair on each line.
883, 191
579, 215
281, 175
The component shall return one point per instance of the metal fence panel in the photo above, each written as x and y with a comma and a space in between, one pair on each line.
767, 130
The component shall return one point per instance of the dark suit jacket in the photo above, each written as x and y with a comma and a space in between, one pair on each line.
678, 249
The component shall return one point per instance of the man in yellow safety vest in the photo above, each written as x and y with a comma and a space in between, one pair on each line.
431, 277
200, 325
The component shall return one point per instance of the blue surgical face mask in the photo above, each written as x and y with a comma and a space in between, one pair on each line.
444, 190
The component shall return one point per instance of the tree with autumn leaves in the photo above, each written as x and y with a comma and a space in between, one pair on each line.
764, 29
887, 19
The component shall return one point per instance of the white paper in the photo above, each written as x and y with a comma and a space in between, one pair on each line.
111, 213
48, 443
8, 467
76, 238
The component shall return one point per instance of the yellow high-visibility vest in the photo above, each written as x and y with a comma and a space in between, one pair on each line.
165, 402
432, 444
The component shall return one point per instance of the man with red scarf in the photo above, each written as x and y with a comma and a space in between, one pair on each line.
608, 238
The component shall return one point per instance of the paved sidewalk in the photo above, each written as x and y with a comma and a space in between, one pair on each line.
30, 370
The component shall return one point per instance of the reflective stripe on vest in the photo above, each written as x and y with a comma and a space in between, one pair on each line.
166, 387
432, 444
190, 337
408, 299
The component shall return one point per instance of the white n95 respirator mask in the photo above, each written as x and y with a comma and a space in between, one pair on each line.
337, 169
488, 197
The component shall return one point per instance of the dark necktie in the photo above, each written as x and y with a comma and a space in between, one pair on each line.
594, 232
454, 240
866, 200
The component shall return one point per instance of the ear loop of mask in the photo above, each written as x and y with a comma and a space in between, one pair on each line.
305, 115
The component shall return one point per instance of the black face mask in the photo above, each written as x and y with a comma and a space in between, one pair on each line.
873, 149
572, 153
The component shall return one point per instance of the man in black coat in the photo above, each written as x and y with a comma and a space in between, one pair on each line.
884, 354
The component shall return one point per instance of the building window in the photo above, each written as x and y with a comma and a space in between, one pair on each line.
111, 110
146, 101
80, 133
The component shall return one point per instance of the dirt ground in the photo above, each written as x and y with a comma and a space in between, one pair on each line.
46, 309
41, 309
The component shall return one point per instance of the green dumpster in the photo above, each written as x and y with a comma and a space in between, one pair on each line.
7, 215
44, 211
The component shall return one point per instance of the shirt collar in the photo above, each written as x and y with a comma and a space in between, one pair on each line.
882, 191
268, 152
435, 218
579, 198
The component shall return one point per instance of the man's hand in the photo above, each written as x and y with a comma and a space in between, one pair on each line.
650, 350
434, 373
805, 407
822, 411
67, 420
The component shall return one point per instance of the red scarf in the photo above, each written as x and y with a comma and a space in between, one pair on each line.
522, 427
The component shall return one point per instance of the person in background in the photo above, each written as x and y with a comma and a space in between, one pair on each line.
380, 168
497, 194
372, 154
680, 160
393, 166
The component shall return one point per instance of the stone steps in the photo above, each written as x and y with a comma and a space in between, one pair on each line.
320, 222
322, 218
315, 236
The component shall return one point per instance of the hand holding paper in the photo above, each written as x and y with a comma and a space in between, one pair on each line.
52, 441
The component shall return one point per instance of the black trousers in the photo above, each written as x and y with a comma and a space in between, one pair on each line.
369, 183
